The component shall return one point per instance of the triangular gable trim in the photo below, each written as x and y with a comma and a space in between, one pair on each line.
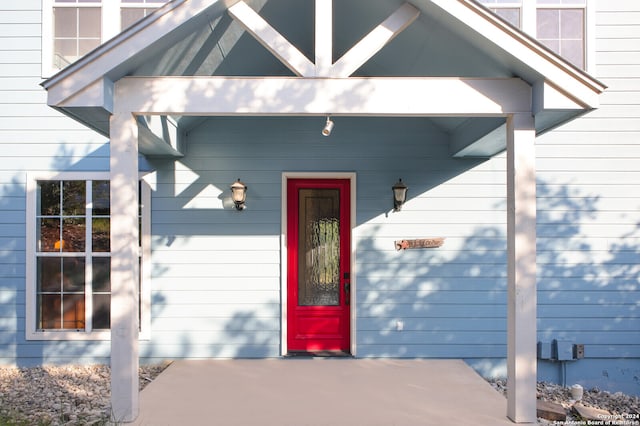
299, 64
106, 63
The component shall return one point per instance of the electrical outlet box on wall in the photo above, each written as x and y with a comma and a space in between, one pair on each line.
563, 350
544, 350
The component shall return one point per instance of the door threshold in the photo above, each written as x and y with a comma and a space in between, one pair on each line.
318, 354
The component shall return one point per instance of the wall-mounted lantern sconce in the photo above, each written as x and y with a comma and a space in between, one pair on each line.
238, 194
399, 195
328, 127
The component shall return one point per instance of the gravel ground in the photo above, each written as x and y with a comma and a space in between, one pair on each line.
60, 395
626, 408
79, 395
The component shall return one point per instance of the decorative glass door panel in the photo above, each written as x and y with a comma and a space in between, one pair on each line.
318, 246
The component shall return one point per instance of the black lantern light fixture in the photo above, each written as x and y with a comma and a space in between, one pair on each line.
399, 195
238, 194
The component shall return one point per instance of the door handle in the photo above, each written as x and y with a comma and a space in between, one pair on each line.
347, 291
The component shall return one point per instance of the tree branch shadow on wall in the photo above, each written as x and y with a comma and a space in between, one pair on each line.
439, 303
449, 302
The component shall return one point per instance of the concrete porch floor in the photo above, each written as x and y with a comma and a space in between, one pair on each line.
321, 391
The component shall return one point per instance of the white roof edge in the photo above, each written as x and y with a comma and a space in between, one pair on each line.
534, 44
109, 44
194, 7
530, 44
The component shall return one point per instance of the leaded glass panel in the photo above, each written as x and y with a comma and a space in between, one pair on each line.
319, 247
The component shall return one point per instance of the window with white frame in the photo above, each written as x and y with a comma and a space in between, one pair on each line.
133, 10
509, 10
560, 25
72, 28
69, 257
77, 29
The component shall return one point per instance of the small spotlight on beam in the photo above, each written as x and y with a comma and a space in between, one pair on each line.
328, 127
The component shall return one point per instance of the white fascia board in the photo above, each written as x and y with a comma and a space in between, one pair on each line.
99, 62
96, 94
411, 96
548, 97
373, 42
575, 83
272, 40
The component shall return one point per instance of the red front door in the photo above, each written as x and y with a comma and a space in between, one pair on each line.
318, 276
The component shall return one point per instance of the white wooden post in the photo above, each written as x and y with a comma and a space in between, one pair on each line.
124, 267
521, 269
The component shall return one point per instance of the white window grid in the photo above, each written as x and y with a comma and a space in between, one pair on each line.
560, 40
48, 28
31, 330
87, 254
528, 11
111, 23
146, 7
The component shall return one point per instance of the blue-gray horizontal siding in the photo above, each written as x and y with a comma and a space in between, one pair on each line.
33, 138
216, 272
588, 217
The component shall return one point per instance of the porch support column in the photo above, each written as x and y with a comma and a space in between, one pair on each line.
124, 267
521, 269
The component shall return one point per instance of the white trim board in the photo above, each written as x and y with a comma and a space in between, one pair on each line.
402, 96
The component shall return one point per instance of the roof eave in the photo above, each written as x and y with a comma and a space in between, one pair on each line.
110, 55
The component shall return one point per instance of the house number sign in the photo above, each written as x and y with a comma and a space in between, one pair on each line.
421, 243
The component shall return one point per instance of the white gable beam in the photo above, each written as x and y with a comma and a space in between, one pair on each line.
97, 94
373, 42
320, 96
324, 36
547, 97
272, 40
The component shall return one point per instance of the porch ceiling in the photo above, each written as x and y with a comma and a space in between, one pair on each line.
449, 39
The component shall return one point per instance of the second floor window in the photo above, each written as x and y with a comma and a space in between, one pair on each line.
562, 30
77, 29
73, 28
134, 10
508, 10
560, 25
